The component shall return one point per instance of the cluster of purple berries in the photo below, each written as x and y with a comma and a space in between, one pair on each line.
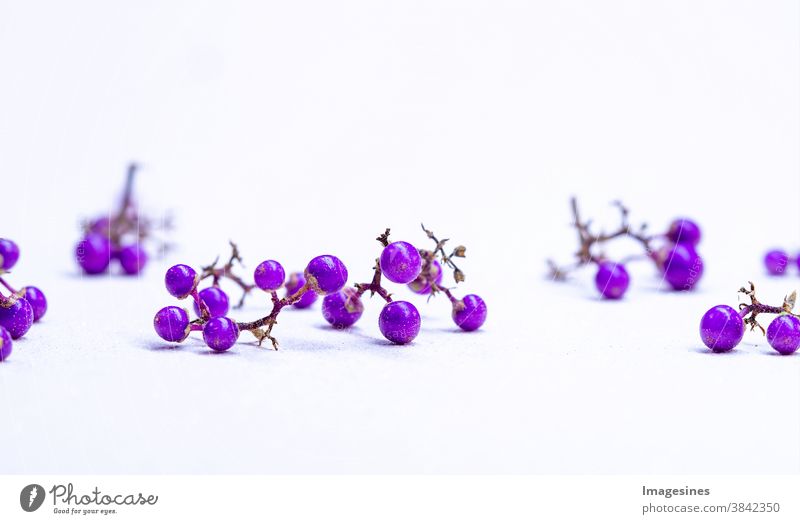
21, 308
676, 258
777, 261
722, 327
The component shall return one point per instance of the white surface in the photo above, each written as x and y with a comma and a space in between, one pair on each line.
307, 129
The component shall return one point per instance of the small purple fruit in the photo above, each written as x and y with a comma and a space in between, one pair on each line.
721, 328
220, 333
469, 313
422, 284
776, 261
133, 259
684, 231
216, 301
37, 300
17, 318
399, 322
101, 225
180, 280
9, 253
172, 324
343, 308
400, 262
326, 273
683, 267
5, 344
269, 275
93, 253
611, 279
783, 334
295, 282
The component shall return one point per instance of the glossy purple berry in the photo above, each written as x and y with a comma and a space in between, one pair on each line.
326, 273
180, 280
611, 279
17, 318
215, 300
343, 308
269, 275
721, 328
133, 258
469, 313
37, 300
399, 322
93, 253
5, 344
783, 334
220, 333
684, 231
400, 262
776, 261
9, 253
422, 284
172, 324
295, 282
683, 267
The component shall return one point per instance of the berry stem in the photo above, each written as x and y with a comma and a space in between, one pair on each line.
7, 286
226, 271
375, 286
459, 251
755, 308
270, 320
205, 314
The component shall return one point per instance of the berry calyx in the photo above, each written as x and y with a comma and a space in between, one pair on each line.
399, 322
16, 315
611, 279
181, 280
343, 308
269, 275
215, 299
326, 274
776, 261
132, 258
783, 334
5, 344
721, 328
9, 253
37, 300
93, 253
172, 324
469, 313
220, 333
400, 262
684, 231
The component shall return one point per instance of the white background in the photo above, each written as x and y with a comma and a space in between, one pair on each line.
299, 129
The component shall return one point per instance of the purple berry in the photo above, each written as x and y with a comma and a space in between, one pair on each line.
220, 333
17, 318
9, 253
721, 328
295, 282
343, 308
422, 284
783, 334
181, 280
326, 273
101, 225
776, 261
400, 262
269, 275
93, 253
133, 259
216, 301
5, 343
684, 231
611, 279
37, 300
469, 313
683, 267
399, 322
172, 324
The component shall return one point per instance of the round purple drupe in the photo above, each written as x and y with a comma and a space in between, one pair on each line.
684, 231
469, 313
220, 333
399, 322
37, 300
611, 279
133, 259
683, 267
343, 308
783, 334
721, 328
216, 301
172, 324
400, 262
5, 344
93, 253
269, 275
422, 284
17, 318
326, 273
776, 261
9, 253
295, 282
180, 280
